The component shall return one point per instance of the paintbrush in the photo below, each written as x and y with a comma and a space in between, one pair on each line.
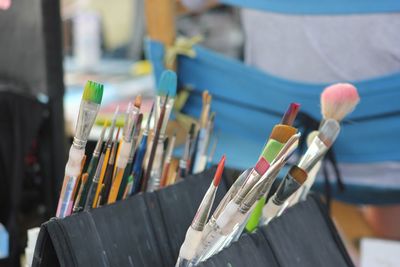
292, 181
320, 144
253, 177
154, 183
193, 235
202, 136
138, 162
89, 107
290, 114
280, 134
84, 179
108, 175
96, 178
338, 100
184, 162
92, 167
124, 151
129, 165
212, 236
167, 161
235, 226
166, 92
107, 152
76, 189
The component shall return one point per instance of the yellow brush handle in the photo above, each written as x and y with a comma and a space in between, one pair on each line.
115, 186
103, 171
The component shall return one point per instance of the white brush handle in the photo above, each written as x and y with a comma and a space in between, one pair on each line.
190, 245
123, 154
270, 211
227, 214
73, 167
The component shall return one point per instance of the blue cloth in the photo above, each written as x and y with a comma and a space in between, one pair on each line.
248, 103
319, 7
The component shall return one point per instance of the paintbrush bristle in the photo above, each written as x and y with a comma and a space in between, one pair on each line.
138, 101
290, 114
298, 174
219, 171
282, 133
93, 92
204, 96
261, 166
167, 84
208, 100
329, 132
338, 100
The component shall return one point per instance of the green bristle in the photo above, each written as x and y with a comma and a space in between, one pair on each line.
93, 92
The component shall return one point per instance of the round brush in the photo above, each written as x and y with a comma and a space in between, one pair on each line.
194, 233
338, 100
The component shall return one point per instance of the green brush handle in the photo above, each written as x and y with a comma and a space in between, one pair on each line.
124, 182
270, 151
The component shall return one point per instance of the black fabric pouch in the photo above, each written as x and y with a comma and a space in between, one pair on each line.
304, 236
148, 229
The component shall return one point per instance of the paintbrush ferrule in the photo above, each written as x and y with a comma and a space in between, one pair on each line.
203, 212
314, 153
86, 117
288, 186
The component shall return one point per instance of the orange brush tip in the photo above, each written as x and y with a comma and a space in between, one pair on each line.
138, 101
220, 170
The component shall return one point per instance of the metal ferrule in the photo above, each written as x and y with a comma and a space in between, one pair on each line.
201, 217
287, 187
250, 181
130, 126
314, 153
231, 193
86, 117
168, 108
250, 199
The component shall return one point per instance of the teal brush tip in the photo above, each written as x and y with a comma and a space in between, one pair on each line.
167, 84
93, 92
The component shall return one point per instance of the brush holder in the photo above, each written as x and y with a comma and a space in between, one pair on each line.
149, 228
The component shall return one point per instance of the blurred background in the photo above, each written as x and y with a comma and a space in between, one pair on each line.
49, 49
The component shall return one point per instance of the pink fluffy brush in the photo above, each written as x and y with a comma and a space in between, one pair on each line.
338, 100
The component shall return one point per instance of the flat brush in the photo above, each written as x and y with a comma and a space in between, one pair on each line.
279, 136
92, 167
154, 184
138, 161
108, 175
89, 107
193, 235
292, 181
